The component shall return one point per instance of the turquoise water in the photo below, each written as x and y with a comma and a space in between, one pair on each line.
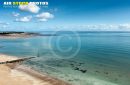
105, 57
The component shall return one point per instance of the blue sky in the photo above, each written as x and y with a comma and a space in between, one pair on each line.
69, 14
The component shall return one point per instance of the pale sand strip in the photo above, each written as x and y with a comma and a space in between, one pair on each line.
22, 75
17, 35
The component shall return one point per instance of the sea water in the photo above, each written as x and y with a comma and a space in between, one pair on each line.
80, 58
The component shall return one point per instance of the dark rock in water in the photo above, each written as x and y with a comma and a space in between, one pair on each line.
76, 79
97, 71
70, 80
72, 64
83, 71
76, 68
81, 63
106, 73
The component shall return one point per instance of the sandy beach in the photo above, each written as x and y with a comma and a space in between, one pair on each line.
15, 35
14, 74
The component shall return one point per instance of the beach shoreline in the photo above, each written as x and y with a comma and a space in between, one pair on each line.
14, 35
21, 74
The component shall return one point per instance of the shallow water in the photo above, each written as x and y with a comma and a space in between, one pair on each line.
104, 56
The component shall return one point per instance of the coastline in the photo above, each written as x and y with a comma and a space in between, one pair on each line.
14, 35
20, 75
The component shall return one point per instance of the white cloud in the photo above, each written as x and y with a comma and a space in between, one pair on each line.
31, 7
54, 10
44, 16
4, 24
15, 14
42, 20
24, 19
125, 26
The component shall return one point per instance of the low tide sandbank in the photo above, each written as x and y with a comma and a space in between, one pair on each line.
18, 34
15, 74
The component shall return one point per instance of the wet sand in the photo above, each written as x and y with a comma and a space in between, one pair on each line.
14, 74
